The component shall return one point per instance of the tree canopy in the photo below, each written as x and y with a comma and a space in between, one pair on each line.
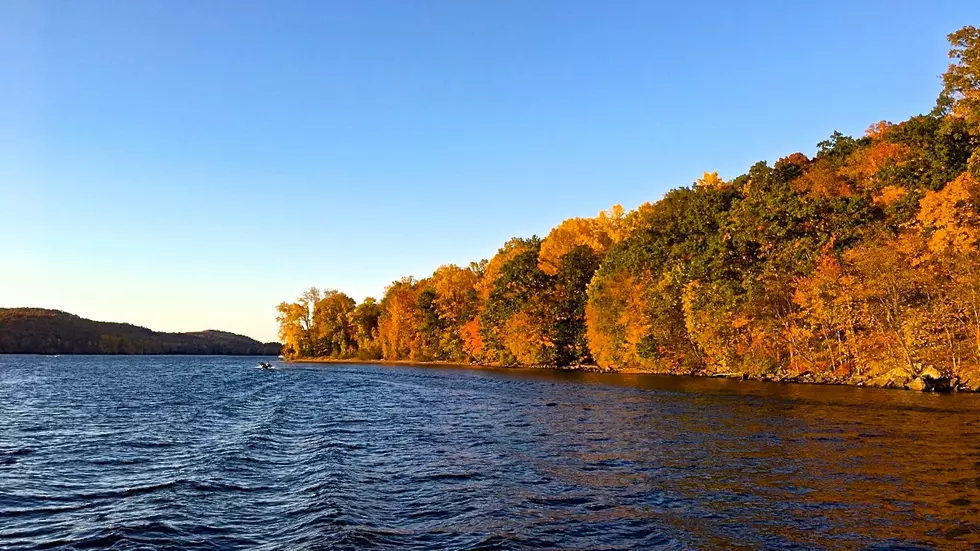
845, 265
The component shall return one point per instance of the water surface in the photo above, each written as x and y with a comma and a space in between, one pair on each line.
212, 453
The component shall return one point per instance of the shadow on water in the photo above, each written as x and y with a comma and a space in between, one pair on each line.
206, 452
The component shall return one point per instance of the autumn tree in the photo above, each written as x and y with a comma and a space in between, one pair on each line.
575, 272
961, 82
514, 323
398, 324
292, 332
296, 323
364, 319
456, 303
333, 334
950, 224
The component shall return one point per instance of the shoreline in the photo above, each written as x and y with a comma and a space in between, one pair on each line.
384, 362
896, 379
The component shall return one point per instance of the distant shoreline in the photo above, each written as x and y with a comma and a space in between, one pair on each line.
121, 355
54, 332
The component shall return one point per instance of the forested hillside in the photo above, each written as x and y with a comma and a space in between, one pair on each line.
857, 264
40, 331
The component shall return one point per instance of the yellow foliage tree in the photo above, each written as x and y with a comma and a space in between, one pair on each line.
863, 165
950, 215
525, 338
398, 326
617, 321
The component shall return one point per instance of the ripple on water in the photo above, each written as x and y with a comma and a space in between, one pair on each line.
210, 453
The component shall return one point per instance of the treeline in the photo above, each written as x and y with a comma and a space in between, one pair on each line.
42, 331
857, 264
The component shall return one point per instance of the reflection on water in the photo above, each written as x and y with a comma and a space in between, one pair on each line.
213, 453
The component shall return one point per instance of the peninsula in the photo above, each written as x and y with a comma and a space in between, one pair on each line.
859, 265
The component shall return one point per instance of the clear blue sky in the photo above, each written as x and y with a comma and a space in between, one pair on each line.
187, 165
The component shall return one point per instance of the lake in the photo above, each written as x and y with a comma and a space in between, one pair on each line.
213, 453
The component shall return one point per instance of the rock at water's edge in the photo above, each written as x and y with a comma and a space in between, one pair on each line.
970, 382
895, 378
916, 384
930, 373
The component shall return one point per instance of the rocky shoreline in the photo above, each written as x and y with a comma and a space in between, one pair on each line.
927, 379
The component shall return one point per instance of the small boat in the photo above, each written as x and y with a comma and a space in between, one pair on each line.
266, 365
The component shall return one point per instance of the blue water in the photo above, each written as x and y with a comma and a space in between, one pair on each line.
213, 453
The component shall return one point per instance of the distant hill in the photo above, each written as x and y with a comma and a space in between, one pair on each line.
42, 331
